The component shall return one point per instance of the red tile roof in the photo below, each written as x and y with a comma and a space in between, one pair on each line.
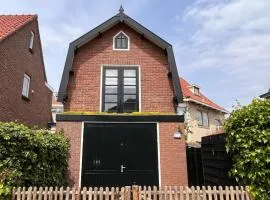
201, 99
10, 23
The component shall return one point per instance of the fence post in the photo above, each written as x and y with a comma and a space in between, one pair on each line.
135, 192
127, 193
13, 193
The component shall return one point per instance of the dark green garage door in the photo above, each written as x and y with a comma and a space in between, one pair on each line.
119, 154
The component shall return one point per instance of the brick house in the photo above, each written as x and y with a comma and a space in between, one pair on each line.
203, 116
24, 93
120, 90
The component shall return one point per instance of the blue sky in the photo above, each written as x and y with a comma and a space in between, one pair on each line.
221, 45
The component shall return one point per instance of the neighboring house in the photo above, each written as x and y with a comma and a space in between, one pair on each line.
266, 95
116, 69
203, 116
57, 108
24, 93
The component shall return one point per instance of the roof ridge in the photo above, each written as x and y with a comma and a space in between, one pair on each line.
18, 14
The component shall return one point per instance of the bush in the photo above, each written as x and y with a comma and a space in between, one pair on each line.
248, 139
32, 157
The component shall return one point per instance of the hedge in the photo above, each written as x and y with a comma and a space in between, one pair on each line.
31, 157
248, 139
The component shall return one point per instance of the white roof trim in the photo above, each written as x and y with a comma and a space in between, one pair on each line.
204, 104
48, 86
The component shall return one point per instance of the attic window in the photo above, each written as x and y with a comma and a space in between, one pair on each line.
195, 89
121, 41
31, 44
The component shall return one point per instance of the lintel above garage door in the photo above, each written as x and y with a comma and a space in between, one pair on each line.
120, 118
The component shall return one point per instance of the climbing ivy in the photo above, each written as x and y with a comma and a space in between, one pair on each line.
248, 139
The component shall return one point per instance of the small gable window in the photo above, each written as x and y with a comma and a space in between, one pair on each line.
31, 42
121, 42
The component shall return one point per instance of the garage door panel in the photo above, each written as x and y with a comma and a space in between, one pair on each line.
118, 154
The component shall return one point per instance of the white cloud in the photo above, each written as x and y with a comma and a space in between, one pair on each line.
231, 39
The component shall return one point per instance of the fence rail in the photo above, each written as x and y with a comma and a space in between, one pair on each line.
132, 193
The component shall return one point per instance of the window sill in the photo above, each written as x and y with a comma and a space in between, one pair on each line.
205, 127
25, 98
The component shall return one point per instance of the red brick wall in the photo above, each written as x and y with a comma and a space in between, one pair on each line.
15, 60
173, 167
72, 131
173, 162
84, 87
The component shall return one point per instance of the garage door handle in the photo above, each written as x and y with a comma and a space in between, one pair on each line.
122, 168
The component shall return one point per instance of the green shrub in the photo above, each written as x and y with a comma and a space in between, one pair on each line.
248, 139
32, 157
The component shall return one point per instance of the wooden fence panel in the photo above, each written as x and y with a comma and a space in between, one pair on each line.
134, 193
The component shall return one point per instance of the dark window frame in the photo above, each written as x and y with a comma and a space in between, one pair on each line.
120, 87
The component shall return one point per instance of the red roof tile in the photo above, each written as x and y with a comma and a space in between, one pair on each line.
11, 23
189, 95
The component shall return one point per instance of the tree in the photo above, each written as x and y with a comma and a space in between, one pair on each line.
248, 140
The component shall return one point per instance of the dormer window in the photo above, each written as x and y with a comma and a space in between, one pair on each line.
195, 89
31, 42
121, 41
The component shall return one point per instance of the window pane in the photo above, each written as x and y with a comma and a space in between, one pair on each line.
111, 81
205, 119
129, 98
110, 107
218, 122
130, 89
130, 72
124, 43
110, 98
130, 107
111, 72
118, 43
26, 83
129, 81
199, 118
110, 89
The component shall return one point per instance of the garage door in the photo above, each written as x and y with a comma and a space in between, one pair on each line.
119, 154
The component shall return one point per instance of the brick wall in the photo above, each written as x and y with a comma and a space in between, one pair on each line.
72, 131
15, 60
173, 167
84, 86
172, 155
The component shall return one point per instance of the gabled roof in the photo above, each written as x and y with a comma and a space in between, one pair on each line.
200, 99
120, 18
266, 95
10, 23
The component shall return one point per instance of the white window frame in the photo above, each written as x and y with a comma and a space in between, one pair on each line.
207, 117
201, 113
31, 43
128, 44
26, 85
198, 112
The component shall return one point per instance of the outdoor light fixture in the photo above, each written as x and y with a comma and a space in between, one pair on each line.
177, 134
